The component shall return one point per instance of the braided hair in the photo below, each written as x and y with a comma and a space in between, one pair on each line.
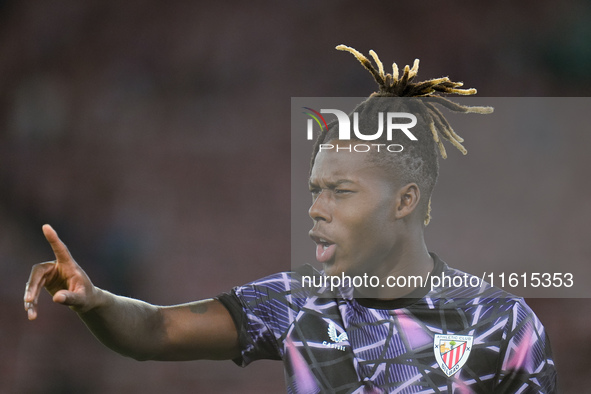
418, 161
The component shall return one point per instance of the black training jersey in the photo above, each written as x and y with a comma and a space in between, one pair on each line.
444, 340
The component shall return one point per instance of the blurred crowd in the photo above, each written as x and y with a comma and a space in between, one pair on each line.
154, 136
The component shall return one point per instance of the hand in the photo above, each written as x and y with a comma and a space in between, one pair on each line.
63, 278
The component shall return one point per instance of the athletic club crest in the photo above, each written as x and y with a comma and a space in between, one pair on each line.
452, 352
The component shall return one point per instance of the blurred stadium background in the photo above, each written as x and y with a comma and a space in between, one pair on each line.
154, 136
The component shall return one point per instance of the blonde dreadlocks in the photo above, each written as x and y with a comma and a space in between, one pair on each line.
419, 163
392, 86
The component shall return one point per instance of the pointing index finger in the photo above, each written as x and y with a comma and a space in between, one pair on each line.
59, 248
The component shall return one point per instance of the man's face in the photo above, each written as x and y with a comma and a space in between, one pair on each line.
353, 210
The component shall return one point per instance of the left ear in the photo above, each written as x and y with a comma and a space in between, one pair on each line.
407, 200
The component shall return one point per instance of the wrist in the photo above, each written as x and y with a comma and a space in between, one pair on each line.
97, 299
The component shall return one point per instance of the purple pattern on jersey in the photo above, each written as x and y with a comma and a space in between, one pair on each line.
337, 345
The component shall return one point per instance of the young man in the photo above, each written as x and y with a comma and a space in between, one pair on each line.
369, 211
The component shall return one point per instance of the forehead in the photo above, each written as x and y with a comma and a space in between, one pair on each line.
333, 165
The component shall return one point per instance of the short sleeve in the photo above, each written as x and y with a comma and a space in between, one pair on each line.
262, 312
527, 364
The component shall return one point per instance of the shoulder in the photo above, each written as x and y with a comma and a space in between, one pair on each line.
474, 302
453, 283
285, 288
488, 303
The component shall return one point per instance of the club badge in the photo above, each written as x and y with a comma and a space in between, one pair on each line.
452, 352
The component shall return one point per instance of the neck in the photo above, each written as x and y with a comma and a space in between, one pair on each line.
409, 261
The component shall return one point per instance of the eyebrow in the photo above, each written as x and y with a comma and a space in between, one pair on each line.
331, 184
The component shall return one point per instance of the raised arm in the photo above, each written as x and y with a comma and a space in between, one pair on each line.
197, 330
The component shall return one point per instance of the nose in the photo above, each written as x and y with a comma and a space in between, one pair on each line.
320, 210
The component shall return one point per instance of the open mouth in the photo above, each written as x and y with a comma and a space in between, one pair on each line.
324, 243
325, 249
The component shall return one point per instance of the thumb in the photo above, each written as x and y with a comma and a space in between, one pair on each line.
68, 298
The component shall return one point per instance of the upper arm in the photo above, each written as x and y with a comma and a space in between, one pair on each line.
199, 330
